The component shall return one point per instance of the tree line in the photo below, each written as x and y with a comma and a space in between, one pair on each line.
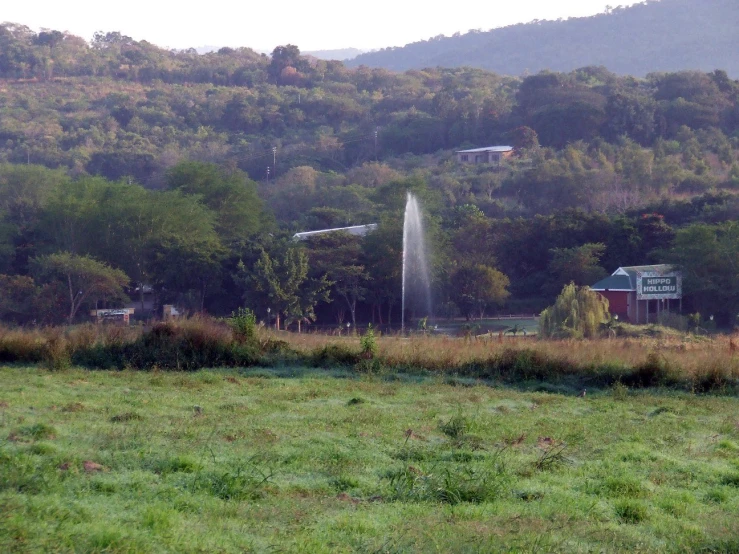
207, 242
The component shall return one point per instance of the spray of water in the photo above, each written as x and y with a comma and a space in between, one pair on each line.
416, 281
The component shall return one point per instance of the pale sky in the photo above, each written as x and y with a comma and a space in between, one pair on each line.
310, 24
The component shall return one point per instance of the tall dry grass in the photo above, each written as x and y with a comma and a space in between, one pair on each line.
699, 362
695, 363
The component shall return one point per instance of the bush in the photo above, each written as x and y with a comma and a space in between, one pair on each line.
332, 355
244, 325
655, 371
712, 378
57, 352
21, 346
673, 321
369, 344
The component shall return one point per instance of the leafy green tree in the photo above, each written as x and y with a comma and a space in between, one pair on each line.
383, 251
475, 287
161, 238
579, 265
283, 58
577, 313
285, 285
524, 138
630, 115
49, 38
25, 192
709, 258
85, 279
17, 297
229, 194
339, 257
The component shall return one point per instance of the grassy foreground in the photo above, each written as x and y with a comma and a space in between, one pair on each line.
318, 461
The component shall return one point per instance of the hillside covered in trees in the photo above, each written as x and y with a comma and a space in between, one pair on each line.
656, 35
189, 174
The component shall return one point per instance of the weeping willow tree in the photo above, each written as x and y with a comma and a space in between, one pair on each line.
577, 313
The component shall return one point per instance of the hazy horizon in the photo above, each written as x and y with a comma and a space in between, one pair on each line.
322, 25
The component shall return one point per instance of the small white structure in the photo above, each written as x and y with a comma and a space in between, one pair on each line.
170, 312
358, 230
487, 155
120, 316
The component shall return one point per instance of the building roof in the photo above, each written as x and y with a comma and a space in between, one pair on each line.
486, 149
358, 230
614, 282
624, 278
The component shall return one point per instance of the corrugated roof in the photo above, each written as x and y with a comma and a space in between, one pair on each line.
486, 149
631, 271
614, 282
360, 230
656, 268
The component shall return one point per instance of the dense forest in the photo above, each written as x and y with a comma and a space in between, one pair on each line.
124, 166
656, 35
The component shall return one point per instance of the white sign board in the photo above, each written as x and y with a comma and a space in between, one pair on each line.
651, 285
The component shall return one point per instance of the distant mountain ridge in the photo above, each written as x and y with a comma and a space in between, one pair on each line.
666, 35
340, 54
336, 54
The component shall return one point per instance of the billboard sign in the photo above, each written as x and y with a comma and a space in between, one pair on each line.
659, 286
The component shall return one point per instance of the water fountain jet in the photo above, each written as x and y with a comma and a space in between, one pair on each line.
416, 280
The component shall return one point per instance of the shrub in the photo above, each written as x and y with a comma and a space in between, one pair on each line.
674, 321
527, 363
244, 325
185, 346
368, 366
369, 344
57, 352
21, 346
712, 378
332, 355
655, 371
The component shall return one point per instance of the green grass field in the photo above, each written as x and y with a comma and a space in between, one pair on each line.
269, 461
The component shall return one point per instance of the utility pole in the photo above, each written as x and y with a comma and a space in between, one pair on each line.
274, 159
